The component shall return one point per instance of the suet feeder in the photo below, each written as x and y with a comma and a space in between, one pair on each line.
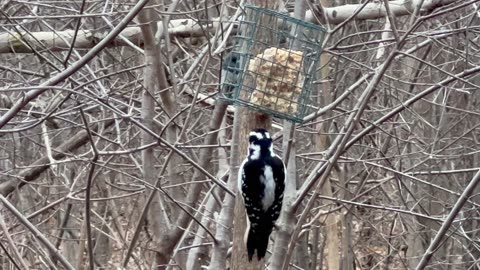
273, 63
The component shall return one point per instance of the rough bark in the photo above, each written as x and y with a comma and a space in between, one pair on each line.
321, 143
239, 261
286, 221
250, 120
154, 69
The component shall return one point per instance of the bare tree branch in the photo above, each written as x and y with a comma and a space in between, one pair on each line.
36, 233
42, 164
31, 95
437, 241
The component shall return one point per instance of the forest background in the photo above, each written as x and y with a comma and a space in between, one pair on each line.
115, 152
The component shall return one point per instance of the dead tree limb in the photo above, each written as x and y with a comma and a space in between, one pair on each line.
42, 164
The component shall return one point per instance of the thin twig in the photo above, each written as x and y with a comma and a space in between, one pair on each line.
9, 256
29, 96
51, 248
75, 35
437, 241
143, 215
12, 244
88, 193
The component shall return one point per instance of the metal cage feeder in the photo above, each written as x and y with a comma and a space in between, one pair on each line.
273, 64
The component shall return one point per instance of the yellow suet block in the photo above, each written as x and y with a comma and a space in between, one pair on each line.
278, 79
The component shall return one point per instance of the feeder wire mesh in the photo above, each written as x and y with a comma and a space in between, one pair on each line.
273, 63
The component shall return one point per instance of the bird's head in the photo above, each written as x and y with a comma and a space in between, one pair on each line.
261, 144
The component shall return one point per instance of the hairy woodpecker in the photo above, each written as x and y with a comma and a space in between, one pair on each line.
261, 181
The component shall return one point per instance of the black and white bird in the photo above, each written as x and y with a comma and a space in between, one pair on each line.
261, 181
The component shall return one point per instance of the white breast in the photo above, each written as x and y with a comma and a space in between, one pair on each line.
269, 183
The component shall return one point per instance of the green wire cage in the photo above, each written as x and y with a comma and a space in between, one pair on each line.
273, 64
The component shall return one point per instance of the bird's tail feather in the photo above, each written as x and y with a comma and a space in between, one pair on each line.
258, 240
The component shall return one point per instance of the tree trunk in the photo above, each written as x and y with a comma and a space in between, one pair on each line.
154, 69
250, 120
321, 143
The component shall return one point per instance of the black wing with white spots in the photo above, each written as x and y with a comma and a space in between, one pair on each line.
279, 177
